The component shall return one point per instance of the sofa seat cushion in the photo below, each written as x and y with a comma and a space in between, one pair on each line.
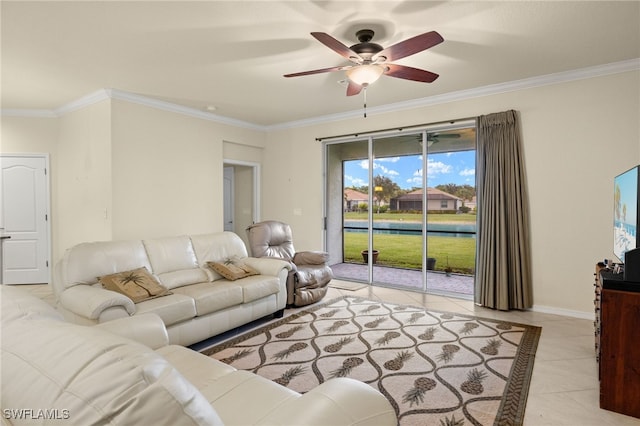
201, 368
257, 286
175, 279
173, 308
212, 297
229, 390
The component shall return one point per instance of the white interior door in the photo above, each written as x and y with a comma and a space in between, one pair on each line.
24, 205
229, 210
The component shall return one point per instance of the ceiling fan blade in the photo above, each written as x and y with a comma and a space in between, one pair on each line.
409, 73
318, 71
440, 137
353, 88
409, 46
337, 47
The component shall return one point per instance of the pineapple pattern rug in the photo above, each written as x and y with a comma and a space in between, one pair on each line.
436, 368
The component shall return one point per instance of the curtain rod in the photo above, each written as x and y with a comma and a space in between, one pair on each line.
397, 129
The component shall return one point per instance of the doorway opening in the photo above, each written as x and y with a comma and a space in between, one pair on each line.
241, 195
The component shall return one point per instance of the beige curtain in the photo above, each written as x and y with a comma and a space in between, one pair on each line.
503, 266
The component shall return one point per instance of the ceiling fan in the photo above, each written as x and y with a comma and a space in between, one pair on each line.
437, 137
370, 60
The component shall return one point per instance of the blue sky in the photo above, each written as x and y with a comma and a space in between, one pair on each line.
406, 171
628, 183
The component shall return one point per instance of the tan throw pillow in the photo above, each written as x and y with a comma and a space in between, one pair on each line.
232, 269
137, 284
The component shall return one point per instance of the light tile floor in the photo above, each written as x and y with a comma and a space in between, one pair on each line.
564, 387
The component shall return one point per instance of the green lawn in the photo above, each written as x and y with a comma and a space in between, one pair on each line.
405, 251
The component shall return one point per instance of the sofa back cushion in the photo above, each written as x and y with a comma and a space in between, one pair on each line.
174, 261
218, 246
85, 375
85, 262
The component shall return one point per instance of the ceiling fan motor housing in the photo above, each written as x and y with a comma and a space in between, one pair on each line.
365, 48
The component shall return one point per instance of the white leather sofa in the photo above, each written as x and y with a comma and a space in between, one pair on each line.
202, 303
55, 372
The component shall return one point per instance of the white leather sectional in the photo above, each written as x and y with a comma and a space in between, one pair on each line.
124, 372
202, 303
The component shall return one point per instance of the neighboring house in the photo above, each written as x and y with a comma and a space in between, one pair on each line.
473, 204
353, 198
436, 200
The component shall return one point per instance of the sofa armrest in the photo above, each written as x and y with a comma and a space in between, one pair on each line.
148, 329
89, 302
340, 401
311, 258
267, 265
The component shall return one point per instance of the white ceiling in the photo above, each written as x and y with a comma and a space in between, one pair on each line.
232, 54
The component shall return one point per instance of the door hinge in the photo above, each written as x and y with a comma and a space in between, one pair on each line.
46, 217
45, 171
47, 262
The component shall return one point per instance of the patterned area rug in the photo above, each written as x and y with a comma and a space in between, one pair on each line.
436, 368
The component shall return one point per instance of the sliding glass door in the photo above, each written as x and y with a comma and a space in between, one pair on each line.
378, 229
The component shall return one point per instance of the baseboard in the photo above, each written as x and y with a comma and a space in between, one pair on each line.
564, 312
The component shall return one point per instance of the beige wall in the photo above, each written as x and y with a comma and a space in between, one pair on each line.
166, 168
122, 170
78, 148
577, 137
23, 135
159, 173
83, 177
167, 171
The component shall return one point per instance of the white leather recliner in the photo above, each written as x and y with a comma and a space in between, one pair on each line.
310, 273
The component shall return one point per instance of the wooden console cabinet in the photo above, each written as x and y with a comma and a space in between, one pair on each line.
600, 267
619, 332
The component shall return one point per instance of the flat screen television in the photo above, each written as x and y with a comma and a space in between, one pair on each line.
625, 212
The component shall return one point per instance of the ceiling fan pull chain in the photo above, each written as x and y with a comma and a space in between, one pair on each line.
365, 102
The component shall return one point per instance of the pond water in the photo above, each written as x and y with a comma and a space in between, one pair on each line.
461, 230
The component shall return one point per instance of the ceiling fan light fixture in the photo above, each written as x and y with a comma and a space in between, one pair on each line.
364, 75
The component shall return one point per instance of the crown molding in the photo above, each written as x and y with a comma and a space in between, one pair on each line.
105, 94
493, 89
180, 109
83, 102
